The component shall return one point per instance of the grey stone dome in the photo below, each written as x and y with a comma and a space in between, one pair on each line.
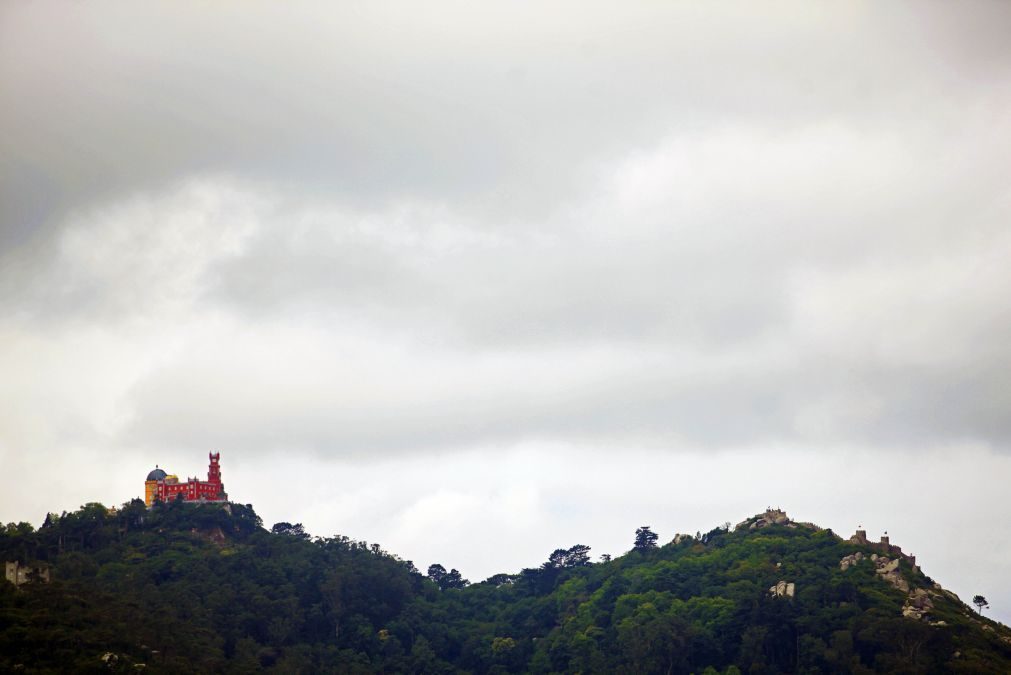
157, 474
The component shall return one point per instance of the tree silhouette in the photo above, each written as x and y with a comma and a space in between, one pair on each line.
436, 573
577, 556
453, 579
445, 580
564, 558
556, 560
645, 538
980, 603
287, 529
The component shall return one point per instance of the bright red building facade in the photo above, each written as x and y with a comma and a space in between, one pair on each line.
165, 487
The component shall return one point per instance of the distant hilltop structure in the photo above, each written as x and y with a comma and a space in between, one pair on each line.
161, 486
885, 546
20, 574
773, 517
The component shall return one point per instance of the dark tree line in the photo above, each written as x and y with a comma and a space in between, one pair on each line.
198, 588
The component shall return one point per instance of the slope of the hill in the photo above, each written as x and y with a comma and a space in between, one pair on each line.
187, 588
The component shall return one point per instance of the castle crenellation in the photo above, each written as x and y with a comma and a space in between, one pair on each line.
885, 559
884, 546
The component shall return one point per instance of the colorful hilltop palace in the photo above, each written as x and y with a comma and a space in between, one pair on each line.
161, 486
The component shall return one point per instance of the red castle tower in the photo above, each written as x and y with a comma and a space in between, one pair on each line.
163, 487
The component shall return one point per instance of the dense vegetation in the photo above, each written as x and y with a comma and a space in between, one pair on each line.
187, 588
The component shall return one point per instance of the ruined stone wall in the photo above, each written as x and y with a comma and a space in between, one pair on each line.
19, 574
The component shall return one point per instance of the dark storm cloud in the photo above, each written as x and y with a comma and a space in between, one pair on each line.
496, 109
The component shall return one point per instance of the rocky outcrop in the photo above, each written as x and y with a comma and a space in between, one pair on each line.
918, 604
919, 601
770, 517
782, 589
889, 571
951, 594
850, 560
885, 567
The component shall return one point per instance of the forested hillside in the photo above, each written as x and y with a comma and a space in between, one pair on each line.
205, 588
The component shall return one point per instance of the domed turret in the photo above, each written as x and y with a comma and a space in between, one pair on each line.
166, 487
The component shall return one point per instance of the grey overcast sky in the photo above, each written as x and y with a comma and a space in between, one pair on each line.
479, 280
